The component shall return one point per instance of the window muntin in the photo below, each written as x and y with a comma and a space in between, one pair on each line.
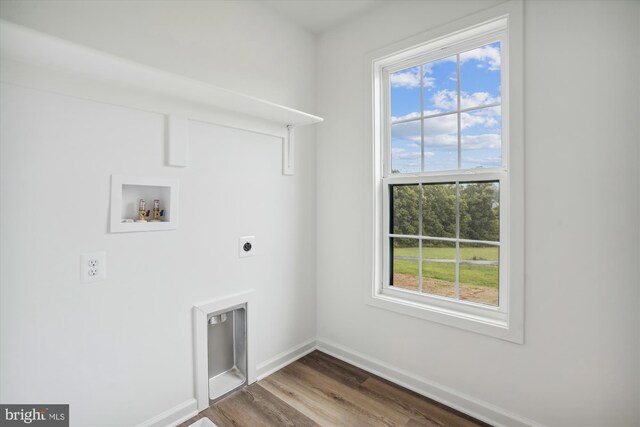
444, 237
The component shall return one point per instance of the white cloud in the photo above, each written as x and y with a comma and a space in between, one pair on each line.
429, 82
442, 141
409, 131
443, 125
443, 128
489, 161
487, 117
488, 54
402, 154
414, 115
428, 68
440, 133
477, 99
491, 122
446, 100
408, 78
479, 142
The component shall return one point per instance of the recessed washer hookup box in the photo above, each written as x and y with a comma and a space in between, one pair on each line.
35, 415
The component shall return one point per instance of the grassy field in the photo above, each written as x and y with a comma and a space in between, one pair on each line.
486, 253
481, 275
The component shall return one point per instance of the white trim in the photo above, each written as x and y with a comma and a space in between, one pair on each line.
441, 42
511, 326
452, 398
285, 358
200, 311
174, 416
497, 31
177, 140
455, 399
171, 205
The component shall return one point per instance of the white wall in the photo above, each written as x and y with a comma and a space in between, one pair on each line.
93, 347
120, 352
580, 361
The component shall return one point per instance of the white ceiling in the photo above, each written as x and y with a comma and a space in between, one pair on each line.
319, 15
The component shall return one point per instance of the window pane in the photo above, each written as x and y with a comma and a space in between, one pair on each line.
479, 273
406, 265
480, 211
405, 212
405, 147
405, 93
480, 76
439, 268
440, 86
441, 143
481, 138
439, 210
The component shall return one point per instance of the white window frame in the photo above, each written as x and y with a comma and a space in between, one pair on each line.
503, 24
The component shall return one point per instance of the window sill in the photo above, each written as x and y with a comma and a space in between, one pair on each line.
485, 321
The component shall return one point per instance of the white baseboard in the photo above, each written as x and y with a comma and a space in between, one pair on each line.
189, 408
283, 359
174, 416
469, 405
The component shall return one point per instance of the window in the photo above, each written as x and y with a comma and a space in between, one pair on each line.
444, 170
444, 116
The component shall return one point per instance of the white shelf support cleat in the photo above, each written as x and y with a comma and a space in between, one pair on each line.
177, 140
288, 153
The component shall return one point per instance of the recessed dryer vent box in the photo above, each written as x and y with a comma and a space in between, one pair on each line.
224, 346
227, 350
126, 192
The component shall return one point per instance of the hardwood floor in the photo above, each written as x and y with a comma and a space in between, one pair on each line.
320, 390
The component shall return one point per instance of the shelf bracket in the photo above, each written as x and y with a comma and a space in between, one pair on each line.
288, 145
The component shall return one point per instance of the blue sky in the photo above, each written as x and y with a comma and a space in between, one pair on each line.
481, 129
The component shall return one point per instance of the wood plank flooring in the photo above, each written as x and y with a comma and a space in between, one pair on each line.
320, 390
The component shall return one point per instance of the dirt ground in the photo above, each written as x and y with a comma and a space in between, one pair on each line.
480, 294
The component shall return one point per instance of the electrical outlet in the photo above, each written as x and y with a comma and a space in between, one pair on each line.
246, 246
93, 267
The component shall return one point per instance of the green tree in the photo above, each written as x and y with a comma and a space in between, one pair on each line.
439, 210
405, 209
479, 212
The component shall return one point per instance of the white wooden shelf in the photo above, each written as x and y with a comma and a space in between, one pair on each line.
40, 61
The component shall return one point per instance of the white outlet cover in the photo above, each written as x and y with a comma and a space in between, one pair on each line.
250, 241
93, 267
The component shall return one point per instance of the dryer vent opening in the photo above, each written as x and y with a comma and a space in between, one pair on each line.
227, 350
